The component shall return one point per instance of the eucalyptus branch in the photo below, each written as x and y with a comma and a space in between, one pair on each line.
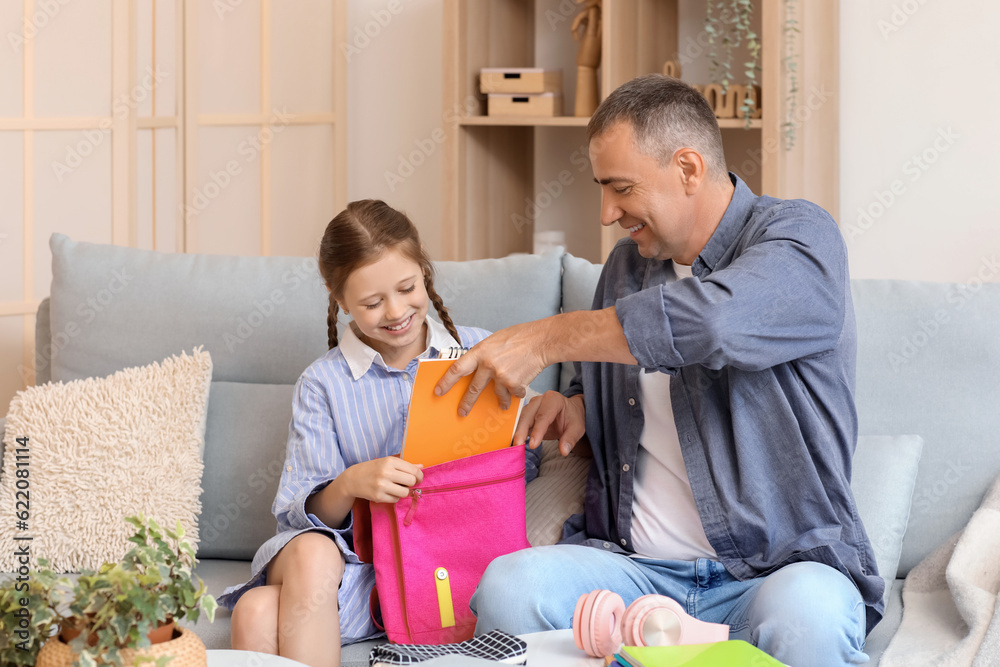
729, 40
728, 26
790, 65
712, 32
743, 10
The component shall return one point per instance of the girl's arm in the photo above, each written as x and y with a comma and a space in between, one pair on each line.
384, 480
314, 456
332, 503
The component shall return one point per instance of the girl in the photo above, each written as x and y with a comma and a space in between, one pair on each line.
309, 592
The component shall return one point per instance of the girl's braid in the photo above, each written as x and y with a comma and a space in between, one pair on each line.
439, 307
331, 323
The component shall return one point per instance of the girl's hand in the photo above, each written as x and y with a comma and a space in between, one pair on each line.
383, 480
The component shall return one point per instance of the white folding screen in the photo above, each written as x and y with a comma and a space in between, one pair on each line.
175, 125
266, 87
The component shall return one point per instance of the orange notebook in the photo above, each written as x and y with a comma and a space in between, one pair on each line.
434, 431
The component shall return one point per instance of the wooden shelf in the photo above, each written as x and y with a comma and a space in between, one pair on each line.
576, 121
740, 124
498, 173
536, 121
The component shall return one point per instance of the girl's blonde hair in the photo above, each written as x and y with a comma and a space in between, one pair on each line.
361, 234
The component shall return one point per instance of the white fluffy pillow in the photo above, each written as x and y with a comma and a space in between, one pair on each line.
103, 449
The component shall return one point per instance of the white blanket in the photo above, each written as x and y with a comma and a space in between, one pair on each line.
950, 612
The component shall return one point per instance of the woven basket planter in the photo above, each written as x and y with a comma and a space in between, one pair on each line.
186, 649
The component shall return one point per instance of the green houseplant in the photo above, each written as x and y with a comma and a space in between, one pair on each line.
29, 613
109, 613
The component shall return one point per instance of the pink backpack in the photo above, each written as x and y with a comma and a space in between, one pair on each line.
431, 548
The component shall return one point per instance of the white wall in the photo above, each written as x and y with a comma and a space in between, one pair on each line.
919, 139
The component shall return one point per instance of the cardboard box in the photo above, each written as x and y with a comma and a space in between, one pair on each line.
539, 104
519, 80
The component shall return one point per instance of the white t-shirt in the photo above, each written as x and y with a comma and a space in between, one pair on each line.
665, 520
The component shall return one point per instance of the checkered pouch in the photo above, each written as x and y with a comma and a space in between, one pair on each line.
497, 646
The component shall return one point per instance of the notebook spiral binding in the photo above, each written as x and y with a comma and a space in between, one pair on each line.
453, 352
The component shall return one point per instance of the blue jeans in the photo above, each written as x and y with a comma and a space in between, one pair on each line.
804, 614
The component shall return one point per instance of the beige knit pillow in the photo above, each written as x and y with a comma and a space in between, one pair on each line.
555, 494
100, 450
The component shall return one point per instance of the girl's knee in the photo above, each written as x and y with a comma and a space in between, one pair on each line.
312, 558
254, 617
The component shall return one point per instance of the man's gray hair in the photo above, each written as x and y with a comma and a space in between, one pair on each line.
665, 114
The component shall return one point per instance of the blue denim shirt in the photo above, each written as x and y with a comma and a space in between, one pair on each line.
761, 345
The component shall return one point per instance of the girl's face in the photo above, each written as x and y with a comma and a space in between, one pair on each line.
388, 302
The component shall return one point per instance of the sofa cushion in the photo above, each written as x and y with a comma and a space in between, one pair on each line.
885, 473
497, 293
579, 282
555, 494
244, 454
43, 342
263, 319
928, 362
217, 575
103, 449
878, 639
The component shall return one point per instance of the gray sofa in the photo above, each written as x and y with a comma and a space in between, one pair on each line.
929, 359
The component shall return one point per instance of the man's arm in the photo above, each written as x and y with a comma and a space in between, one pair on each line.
783, 298
514, 356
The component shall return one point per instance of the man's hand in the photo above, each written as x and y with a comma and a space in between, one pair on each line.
511, 357
552, 416
514, 356
384, 480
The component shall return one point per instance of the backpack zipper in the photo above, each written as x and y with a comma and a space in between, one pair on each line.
417, 494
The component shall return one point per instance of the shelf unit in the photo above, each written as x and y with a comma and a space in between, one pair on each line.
489, 162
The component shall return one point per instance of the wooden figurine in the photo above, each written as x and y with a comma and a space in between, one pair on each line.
586, 30
721, 103
672, 68
754, 94
734, 100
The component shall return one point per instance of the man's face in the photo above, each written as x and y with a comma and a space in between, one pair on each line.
643, 197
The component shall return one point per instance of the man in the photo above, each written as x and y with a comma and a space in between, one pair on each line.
717, 395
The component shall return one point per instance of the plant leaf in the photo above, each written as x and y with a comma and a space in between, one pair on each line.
209, 605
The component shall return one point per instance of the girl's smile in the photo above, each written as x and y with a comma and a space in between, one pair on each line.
400, 328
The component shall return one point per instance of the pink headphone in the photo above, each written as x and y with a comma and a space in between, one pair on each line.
601, 624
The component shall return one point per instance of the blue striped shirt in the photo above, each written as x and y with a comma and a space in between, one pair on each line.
348, 407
